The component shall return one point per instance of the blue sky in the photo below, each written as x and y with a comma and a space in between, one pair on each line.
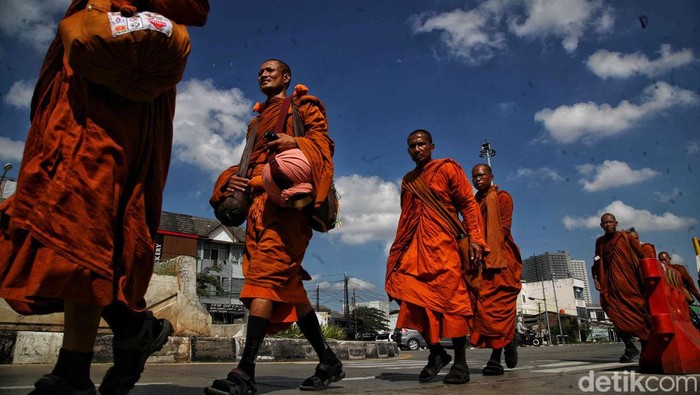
592, 106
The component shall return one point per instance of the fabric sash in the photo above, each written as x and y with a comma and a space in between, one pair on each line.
494, 230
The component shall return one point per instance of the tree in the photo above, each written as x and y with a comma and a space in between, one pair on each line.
205, 280
370, 318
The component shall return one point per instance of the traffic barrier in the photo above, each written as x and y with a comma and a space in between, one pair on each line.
674, 343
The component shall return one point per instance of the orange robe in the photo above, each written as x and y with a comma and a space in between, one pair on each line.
277, 237
618, 278
424, 270
494, 318
648, 250
88, 201
688, 282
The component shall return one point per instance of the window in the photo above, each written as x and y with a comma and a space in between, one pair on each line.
578, 293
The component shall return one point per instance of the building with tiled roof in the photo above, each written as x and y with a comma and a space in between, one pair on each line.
218, 249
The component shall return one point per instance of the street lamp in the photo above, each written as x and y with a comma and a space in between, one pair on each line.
6, 168
549, 332
487, 152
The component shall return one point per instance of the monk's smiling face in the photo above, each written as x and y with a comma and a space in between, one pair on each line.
608, 223
273, 78
420, 148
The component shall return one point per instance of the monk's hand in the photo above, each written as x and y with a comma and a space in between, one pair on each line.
474, 253
283, 143
236, 183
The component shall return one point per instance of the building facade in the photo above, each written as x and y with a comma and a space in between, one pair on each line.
579, 270
218, 250
558, 265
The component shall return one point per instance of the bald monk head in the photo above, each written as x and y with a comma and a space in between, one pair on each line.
274, 77
633, 233
420, 147
664, 257
482, 177
608, 223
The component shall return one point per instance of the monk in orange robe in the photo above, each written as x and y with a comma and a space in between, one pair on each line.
687, 279
276, 236
78, 234
618, 278
648, 249
494, 318
424, 269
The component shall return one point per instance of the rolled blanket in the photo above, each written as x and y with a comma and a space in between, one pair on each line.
287, 178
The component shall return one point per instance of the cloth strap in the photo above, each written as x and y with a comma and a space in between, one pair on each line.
245, 157
275, 171
416, 184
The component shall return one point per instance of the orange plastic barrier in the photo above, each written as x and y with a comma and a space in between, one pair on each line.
674, 343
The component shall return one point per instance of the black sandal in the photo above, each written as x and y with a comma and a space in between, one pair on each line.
50, 384
122, 377
323, 377
458, 374
492, 368
435, 363
237, 382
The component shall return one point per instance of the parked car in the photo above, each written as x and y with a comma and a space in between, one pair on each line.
408, 339
369, 335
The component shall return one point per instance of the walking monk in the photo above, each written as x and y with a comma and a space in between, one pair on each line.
77, 236
494, 318
686, 278
277, 236
424, 269
618, 278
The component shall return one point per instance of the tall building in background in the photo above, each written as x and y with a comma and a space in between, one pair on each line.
541, 267
579, 271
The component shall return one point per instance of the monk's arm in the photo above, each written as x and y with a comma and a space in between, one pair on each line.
688, 282
316, 127
637, 248
465, 203
505, 203
185, 12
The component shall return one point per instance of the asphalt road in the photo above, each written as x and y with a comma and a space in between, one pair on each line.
567, 369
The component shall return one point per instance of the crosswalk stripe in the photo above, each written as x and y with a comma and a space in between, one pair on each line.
586, 367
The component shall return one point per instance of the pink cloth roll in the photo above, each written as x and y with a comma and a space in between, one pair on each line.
292, 167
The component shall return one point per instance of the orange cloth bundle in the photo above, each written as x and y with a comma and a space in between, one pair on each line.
293, 168
138, 57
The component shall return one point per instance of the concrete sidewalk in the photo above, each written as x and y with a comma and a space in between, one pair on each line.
25, 347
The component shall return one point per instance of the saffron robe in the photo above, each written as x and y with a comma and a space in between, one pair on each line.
424, 270
688, 282
82, 222
277, 237
618, 278
494, 318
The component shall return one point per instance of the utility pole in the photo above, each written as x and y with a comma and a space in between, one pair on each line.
487, 152
556, 304
318, 292
354, 315
546, 312
346, 309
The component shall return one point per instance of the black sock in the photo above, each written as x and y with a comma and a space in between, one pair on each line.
75, 367
257, 327
436, 349
123, 321
311, 329
460, 347
496, 354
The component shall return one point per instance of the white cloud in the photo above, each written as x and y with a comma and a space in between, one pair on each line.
627, 216
20, 94
693, 148
210, 125
543, 173
606, 64
476, 35
611, 174
567, 20
11, 150
31, 22
369, 209
590, 121
669, 197
677, 259
471, 36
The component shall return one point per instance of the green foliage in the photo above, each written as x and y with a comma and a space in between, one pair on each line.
370, 318
205, 279
329, 332
167, 268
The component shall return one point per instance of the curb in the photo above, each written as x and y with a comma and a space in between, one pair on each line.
25, 347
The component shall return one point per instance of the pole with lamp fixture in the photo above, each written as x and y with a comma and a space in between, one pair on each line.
6, 168
487, 152
549, 332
